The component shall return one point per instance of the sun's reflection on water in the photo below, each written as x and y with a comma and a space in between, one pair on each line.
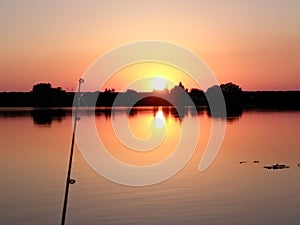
159, 119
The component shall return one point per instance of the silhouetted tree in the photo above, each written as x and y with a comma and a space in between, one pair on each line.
42, 88
233, 95
181, 85
213, 89
177, 89
45, 95
231, 88
198, 96
131, 91
109, 90
179, 95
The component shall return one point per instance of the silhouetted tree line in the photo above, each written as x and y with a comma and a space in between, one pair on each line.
44, 95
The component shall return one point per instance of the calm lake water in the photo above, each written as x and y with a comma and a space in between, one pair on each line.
34, 155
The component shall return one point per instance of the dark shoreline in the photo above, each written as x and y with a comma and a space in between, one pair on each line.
44, 95
277, 100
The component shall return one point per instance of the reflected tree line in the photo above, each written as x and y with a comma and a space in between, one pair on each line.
43, 96
46, 116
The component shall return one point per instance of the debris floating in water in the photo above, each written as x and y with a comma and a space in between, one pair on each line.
255, 161
276, 167
241, 162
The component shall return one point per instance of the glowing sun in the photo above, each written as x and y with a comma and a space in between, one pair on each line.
158, 83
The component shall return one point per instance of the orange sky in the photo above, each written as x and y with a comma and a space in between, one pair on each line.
255, 44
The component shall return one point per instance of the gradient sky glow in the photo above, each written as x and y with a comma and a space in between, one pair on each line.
255, 44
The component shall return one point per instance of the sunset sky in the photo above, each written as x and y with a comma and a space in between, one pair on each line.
255, 44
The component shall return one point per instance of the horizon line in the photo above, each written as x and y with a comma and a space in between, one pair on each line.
73, 90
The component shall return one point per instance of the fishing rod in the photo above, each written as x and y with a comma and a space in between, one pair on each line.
69, 180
